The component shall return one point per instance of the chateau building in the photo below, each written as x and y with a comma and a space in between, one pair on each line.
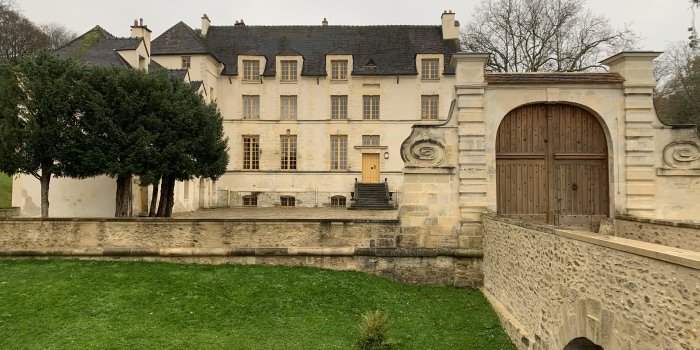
397, 117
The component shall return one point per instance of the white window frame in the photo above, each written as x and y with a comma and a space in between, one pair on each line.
251, 152
339, 152
371, 140
288, 152
339, 107
251, 70
430, 107
288, 201
251, 107
430, 69
288, 71
288, 107
339, 70
371, 107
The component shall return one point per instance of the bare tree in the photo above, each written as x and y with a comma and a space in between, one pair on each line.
18, 35
676, 99
57, 35
543, 35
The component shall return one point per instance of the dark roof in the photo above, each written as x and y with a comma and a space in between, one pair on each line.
99, 47
179, 74
392, 48
554, 78
179, 39
197, 84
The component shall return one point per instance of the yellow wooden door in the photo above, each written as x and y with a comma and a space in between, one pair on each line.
370, 168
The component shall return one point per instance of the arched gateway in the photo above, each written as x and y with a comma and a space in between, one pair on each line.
552, 166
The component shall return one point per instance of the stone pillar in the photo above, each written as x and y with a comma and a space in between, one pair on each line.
639, 180
473, 161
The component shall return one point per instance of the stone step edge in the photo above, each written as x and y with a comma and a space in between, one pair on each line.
246, 252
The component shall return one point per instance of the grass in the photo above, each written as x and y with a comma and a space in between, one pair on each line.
64, 304
5, 191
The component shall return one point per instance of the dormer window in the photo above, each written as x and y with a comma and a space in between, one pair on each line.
339, 70
251, 70
186, 62
289, 71
430, 69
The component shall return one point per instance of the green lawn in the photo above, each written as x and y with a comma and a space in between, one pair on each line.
5, 191
61, 304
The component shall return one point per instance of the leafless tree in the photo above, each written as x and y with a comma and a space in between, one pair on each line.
676, 98
543, 35
57, 35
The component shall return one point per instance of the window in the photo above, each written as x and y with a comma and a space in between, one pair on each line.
288, 107
430, 69
288, 201
339, 107
186, 62
251, 107
251, 70
289, 71
429, 105
339, 70
250, 201
339, 152
251, 152
288, 151
370, 140
338, 202
370, 107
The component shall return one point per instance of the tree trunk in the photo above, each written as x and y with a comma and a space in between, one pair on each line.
45, 183
152, 210
123, 199
166, 197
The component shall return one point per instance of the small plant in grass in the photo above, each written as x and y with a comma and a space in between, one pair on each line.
374, 329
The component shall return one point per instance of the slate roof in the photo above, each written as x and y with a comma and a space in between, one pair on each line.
99, 47
392, 49
554, 78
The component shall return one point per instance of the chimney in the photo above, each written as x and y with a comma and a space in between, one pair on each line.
450, 27
206, 22
324, 22
140, 30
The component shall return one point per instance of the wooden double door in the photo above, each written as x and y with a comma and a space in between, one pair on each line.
552, 166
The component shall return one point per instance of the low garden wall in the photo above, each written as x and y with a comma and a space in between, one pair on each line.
552, 286
375, 246
675, 234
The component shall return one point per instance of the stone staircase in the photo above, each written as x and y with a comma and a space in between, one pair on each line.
372, 197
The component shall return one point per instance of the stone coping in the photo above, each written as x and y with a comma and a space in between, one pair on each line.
201, 220
246, 252
681, 224
668, 254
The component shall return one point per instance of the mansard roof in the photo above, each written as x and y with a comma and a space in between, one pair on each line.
99, 47
393, 49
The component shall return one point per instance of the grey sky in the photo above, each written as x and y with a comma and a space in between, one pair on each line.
659, 22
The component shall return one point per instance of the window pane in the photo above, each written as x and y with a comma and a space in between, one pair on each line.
339, 107
339, 152
339, 70
288, 107
251, 152
288, 151
430, 106
251, 70
289, 71
370, 140
251, 107
186, 62
370, 107
430, 69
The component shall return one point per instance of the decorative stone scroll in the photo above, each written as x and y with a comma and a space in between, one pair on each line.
681, 158
426, 146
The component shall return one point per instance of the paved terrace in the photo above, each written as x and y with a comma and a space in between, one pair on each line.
291, 213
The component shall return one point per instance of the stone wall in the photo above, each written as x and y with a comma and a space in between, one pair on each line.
674, 234
375, 246
551, 286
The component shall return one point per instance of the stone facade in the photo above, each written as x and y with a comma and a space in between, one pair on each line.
552, 286
375, 246
673, 234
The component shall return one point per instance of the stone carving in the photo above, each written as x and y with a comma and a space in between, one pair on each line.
425, 148
682, 155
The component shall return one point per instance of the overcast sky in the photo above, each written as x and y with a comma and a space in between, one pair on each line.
659, 22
